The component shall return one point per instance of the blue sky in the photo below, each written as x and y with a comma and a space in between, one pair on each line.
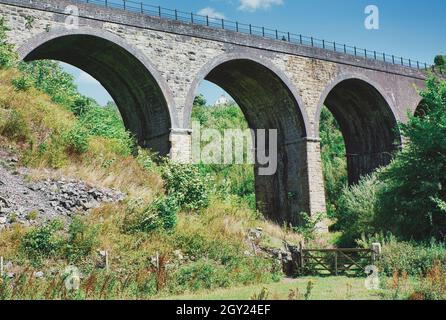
409, 28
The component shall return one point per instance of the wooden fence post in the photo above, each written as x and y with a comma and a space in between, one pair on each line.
301, 250
336, 263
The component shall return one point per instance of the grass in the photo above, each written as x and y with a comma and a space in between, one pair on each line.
326, 288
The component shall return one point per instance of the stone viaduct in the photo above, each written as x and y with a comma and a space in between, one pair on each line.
152, 68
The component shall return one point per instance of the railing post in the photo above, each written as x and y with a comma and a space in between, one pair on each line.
176, 14
384, 57
374, 54
207, 21
236, 26
402, 61
289, 37
300, 39
355, 51
250, 29
393, 59
159, 11
124, 4
312, 42
345, 48
192, 17
142, 8
334, 46
223, 24
277, 35
323, 44
263, 31
106, 3
365, 53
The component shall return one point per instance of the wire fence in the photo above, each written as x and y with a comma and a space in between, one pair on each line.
196, 19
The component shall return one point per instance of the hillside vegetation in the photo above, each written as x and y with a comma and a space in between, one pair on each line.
172, 234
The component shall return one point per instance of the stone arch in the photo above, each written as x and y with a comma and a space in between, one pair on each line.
208, 67
368, 119
268, 101
140, 92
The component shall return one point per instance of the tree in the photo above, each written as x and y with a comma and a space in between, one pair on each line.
200, 101
333, 159
440, 60
412, 202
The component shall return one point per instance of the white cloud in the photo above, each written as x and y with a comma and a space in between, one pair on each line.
211, 13
253, 5
86, 78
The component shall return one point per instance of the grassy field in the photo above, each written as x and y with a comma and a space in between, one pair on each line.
327, 288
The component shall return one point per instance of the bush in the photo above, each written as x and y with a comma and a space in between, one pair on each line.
22, 83
432, 286
43, 242
81, 240
411, 201
186, 185
106, 122
356, 210
440, 60
203, 274
161, 214
77, 140
49, 77
15, 127
415, 259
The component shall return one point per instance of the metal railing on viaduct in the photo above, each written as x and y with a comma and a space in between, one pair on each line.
193, 18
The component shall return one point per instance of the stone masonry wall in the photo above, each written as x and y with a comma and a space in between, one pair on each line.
180, 52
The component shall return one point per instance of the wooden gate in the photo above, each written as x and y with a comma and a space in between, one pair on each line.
336, 261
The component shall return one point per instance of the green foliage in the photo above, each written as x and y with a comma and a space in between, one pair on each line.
308, 224
356, 210
161, 214
167, 209
228, 116
43, 242
415, 259
203, 274
8, 56
22, 83
224, 180
433, 285
408, 197
48, 76
77, 140
440, 60
29, 22
82, 105
81, 240
414, 185
187, 185
333, 159
106, 122
15, 127
146, 159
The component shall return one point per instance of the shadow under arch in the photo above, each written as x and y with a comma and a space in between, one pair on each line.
141, 94
268, 101
368, 122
